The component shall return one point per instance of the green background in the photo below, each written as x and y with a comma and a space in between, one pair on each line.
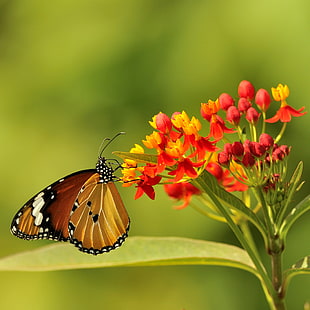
74, 72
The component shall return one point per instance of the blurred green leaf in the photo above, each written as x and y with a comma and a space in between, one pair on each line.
137, 251
301, 267
294, 215
207, 181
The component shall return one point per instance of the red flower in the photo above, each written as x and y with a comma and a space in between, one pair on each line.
202, 145
185, 166
181, 191
145, 185
218, 128
285, 113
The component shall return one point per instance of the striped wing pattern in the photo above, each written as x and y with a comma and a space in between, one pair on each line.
99, 221
46, 215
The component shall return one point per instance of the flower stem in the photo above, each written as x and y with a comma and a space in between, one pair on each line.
278, 138
266, 210
272, 288
238, 233
277, 281
264, 123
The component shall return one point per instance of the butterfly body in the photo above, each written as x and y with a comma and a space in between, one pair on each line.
83, 208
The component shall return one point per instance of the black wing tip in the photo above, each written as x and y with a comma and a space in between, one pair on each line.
44, 235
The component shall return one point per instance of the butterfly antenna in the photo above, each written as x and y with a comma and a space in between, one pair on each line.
107, 141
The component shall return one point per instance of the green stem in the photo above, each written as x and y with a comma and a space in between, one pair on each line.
264, 123
275, 249
266, 283
278, 138
277, 280
276, 264
273, 289
267, 213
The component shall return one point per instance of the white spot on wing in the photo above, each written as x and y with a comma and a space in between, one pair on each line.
37, 206
39, 195
38, 219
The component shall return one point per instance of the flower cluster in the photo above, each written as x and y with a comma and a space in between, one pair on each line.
233, 151
180, 150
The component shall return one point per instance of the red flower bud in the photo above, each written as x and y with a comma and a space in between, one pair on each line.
248, 160
285, 149
266, 140
278, 154
244, 104
237, 149
163, 122
246, 90
252, 115
233, 115
227, 148
225, 101
257, 149
262, 99
246, 146
223, 158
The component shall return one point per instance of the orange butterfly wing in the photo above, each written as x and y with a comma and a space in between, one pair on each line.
46, 215
99, 221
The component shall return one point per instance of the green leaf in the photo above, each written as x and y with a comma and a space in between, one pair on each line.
301, 267
294, 215
207, 181
140, 158
137, 251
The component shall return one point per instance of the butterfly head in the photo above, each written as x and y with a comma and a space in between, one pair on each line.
104, 170
104, 167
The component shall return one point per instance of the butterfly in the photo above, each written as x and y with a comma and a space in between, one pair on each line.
83, 208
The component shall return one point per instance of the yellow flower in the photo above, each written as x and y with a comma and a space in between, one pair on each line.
192, 127
280, 93
211, 107
180, 120
175, 149
138, 149
152, 141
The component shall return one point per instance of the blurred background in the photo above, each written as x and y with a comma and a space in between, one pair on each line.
75, 72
